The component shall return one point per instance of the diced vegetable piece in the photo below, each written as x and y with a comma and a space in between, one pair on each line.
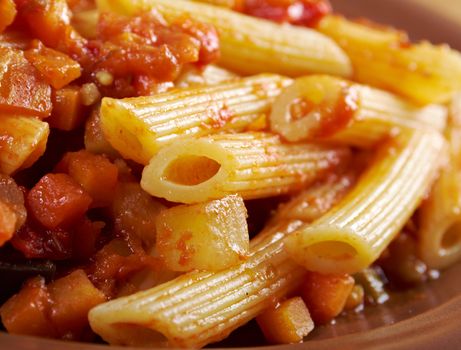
35, 242
207, 236
326, 295
68, 110
134, 212
94, 138
22, 141
26, 312
50, 22
356, 298
56, 68
8, 220
288, 323
57, 200
85, 239
372, 281
12, 195
73, 297
95, 173
22, 90
7, 13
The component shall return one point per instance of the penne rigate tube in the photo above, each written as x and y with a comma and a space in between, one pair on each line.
321, 107
199, 308
138, 127
262, 45
385, 58
254, 165
199, 76
439, 235
354, 233
22, 142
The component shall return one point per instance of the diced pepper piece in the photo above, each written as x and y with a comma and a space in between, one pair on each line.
68, 110
22, 90
73, 296
57, 200
289, 323
56, 68
7, 13
326, 295
26, 312
95, 173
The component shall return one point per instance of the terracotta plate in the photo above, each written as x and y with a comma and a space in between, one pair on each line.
423, 319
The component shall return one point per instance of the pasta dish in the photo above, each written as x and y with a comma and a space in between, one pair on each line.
172, 170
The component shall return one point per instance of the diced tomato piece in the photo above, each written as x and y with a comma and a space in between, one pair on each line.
289, 323
326, 295
73, 296
57, 200
95, 173
49, 21
7, 13
36, 242
22, 90
27, 312
68, 111
206, 35
56, 68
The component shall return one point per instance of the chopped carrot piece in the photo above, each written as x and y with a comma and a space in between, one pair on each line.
326, 295
73, 296
27, 311
289, 323
68, 111
95, 173
22, 90
56, 68
57, 200
7, 13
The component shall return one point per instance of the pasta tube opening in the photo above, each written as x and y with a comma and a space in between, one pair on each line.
253, 165
320, 107
191, 170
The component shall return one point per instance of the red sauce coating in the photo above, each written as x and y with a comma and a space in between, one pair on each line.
298, 12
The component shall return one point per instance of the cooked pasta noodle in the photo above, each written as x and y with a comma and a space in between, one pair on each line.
263, 46
253, 165
355, 232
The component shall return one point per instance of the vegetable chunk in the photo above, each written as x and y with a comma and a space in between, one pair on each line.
207, 236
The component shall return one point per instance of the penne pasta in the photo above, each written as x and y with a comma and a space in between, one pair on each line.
322, 107
139, 127
355, 232
311, 203
384, 58
439, 235
210, 75
221, 301
262, 45
22, 142
253, 165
